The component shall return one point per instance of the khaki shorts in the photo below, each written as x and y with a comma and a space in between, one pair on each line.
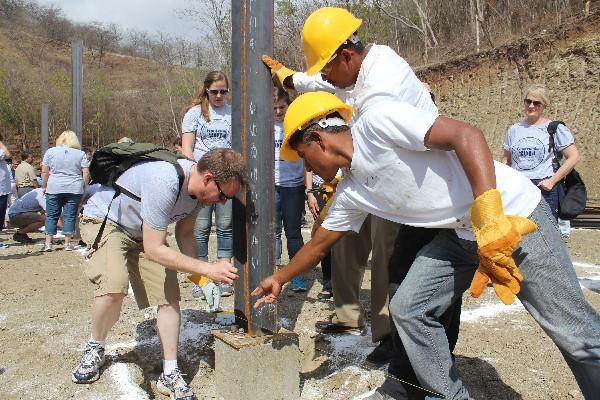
117, 262
25, 219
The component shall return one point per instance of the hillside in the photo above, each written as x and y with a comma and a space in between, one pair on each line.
485, 89
123, 95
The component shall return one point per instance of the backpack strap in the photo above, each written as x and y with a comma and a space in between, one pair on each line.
120, 190
552, 127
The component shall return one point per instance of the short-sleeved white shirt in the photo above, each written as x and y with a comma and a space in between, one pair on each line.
157, 184
394, 176
65, 164
529, 147
32, 201
383, 76
209, 135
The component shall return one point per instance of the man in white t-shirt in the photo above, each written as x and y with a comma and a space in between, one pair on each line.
27, 214
150, 200
338, 62
418, 168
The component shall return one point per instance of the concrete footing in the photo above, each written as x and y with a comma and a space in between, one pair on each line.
262, 367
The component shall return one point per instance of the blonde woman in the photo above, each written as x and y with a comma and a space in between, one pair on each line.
64, 179
527, 146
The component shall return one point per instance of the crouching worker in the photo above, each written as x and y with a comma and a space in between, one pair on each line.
136, 225
27, 214
419, 168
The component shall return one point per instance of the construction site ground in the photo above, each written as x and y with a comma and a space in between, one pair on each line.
45, 320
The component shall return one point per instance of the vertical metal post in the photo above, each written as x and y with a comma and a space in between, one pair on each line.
252, 127
44, 129
77, 88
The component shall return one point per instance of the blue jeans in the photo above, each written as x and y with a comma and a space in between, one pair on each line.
550, 292
224, 230
66, 203
289, 203
3, 204
551, 197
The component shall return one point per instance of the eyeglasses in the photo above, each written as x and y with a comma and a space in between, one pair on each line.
534, 102
215, 92
222, 196
327, 67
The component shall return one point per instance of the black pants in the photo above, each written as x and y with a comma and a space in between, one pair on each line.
409, 242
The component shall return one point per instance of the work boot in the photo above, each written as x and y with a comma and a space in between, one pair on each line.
22, 238
382, 354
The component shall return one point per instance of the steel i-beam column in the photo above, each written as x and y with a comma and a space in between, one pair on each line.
252, 130
44, 129
77, 88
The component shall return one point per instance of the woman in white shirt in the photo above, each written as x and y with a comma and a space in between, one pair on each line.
207, 125
64, 180
527, 146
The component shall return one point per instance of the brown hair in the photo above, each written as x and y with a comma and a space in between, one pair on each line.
225, 165
201, 98
281, 94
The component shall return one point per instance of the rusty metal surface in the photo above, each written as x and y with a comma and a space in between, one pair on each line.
252, 129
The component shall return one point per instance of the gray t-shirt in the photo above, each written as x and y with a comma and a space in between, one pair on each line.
65, 166
529, 148
32, 201
157, 184
209, 135
287, 173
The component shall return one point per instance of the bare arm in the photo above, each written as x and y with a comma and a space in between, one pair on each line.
506, 158
156, 250
306, 258
184, 234
45, 174
85, 172
313, 206
188, 139
572, 157
471, 149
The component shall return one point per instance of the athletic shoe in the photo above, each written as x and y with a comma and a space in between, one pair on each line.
22, 238
92, 360
3, 246
70, 246
174, 386
298, 284
329, 327
226, 289
47, 247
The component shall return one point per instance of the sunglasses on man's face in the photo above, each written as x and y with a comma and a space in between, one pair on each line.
222, 196
534, 102
215, 92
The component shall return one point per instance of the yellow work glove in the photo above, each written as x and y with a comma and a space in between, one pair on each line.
328, 189
322, 214
279, 72
199, 280
497, 237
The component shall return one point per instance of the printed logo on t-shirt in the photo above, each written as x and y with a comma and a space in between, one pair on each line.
528, 153
216, 137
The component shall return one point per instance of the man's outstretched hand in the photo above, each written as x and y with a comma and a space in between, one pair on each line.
267, 291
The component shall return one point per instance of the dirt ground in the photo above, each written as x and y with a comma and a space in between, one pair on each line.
45, 320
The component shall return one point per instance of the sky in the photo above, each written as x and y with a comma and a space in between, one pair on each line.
151, 16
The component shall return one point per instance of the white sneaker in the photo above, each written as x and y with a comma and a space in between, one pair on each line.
3, 246
174, 386
47, 247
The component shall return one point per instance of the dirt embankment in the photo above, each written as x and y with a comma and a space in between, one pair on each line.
486, 89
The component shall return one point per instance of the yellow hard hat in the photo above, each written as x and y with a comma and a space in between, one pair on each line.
324, 31
304, 110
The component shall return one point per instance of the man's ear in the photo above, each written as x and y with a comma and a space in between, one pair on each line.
207, 177
346, 54
315, 136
